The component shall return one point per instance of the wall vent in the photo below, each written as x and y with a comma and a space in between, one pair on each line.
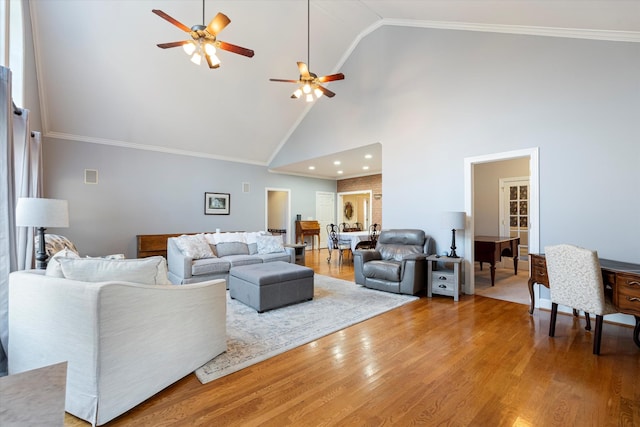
90, 176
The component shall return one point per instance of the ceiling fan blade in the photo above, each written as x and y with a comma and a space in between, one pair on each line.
218, 23
235, 49
210, 63
284, 80
331, 77
175, 22
326, 91
172, 44
304, 70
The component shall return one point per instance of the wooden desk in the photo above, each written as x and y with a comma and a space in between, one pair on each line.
308, 228
621, 281
492, 248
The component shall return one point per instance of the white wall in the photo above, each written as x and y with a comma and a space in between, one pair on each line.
435, 97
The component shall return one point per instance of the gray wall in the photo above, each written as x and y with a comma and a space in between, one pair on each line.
435, 97
144, 192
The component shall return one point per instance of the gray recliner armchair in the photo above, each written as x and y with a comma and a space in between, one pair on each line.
398, 263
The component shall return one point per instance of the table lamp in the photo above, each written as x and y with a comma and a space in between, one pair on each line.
453, 221
41, 213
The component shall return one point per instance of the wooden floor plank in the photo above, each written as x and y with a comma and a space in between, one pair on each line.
480, 361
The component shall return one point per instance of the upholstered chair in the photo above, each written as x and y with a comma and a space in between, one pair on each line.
575, 281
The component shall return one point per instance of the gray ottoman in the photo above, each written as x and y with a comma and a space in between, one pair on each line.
271, 285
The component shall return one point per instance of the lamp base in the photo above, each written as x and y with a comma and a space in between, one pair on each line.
453, 253
41, 254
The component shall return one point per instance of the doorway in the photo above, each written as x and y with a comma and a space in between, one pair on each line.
278, 212
470, 191
360, 208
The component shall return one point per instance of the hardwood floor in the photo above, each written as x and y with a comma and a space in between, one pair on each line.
481, 362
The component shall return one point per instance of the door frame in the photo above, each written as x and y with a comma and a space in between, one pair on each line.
534, 205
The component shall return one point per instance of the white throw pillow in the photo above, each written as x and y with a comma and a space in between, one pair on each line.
194, 246
252, 236
270, 244
148, 271
53, 266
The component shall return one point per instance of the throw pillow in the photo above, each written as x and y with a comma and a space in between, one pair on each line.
147, 271
252, 240
232, 248
53, 265
227, 238
270, 244
194, 246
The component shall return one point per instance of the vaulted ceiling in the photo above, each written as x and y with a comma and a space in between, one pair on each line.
103, 80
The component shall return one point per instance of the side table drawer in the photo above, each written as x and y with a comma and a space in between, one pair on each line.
443, 282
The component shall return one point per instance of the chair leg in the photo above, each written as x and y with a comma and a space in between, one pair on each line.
598, 334
588, 319
552, 323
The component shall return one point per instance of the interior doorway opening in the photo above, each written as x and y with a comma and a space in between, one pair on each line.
278, 212
354, 207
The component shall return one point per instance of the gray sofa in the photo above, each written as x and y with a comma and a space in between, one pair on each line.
398, 263
227, 250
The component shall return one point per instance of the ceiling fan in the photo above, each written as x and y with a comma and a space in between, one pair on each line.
308, 81
205, 39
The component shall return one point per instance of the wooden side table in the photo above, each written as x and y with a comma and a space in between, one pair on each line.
444, 282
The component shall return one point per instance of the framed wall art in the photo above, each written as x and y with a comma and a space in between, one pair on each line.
217, 203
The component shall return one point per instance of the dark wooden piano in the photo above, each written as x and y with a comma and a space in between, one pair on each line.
308, 228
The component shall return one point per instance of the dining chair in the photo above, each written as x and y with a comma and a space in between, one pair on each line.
357, 226
334, 243
372, 240
575, 281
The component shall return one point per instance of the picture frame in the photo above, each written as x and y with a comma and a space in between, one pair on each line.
217, 203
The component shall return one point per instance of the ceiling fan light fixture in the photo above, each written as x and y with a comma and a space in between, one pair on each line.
306, 88
209, 49
297, 93
189, 48
318, 93
196, 58
309, 97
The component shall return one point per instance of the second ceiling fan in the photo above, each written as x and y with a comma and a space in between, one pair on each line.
308, 81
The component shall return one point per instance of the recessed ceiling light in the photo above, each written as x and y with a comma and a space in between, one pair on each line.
311, 168
340, 172
337, 162
365, 168
368, 156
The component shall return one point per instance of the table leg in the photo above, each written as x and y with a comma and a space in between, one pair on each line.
636, 331
515, 265
533, 302
493, 274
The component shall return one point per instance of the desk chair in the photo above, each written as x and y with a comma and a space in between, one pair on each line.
575, 281
334, 243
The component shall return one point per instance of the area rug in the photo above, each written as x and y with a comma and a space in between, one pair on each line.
253, 337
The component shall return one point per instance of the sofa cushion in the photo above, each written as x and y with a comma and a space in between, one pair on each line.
216, 238
210, 266
252, 240
269, 244
232, 248
194, 246
238, 260
276, 256
383, 269
53, 265
148, 271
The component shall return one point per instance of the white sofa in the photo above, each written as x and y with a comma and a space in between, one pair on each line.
123, 341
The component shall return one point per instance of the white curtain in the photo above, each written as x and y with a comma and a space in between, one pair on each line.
8, 258
28, 177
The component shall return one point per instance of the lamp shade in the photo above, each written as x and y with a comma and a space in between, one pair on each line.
38, 212
453, 220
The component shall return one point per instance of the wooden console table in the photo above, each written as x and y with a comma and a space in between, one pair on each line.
491, 249
621, 281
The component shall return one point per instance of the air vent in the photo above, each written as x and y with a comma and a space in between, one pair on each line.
90, 176
246, 187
